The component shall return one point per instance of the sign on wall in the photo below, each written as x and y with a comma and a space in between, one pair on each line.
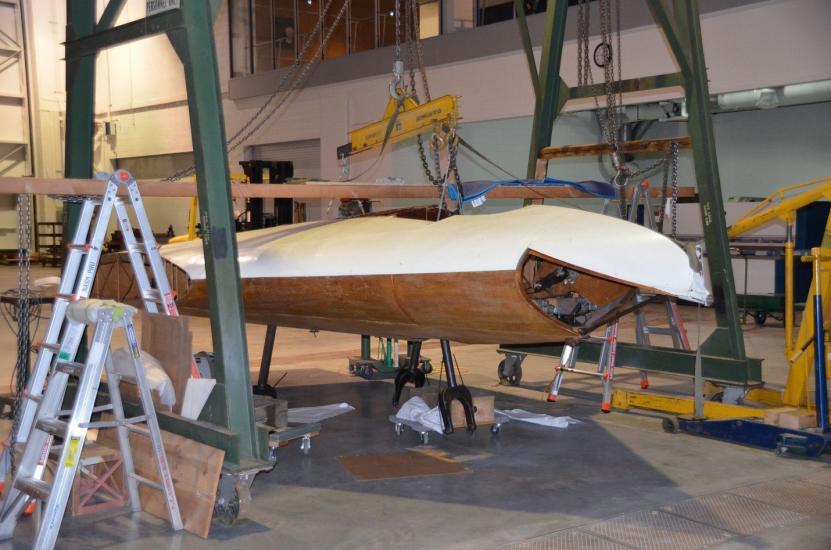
157, 6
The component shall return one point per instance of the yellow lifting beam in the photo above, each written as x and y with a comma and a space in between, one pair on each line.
412, 119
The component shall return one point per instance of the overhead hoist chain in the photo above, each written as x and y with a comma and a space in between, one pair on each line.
24, 266
408, 11
670, 172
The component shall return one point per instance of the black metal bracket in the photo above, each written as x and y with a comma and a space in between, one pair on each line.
456, 391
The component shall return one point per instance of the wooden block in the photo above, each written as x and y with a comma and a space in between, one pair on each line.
772, 415
484, 403
195, 469
272, 412
797, 420
483, 415
169, 340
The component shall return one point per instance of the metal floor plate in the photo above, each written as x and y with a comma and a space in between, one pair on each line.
571, 539
823, 477
735, 513
806, 498
654, 530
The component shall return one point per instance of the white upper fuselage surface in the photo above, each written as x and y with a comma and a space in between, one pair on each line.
380, 245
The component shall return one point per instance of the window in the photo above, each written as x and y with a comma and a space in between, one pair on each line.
271, 34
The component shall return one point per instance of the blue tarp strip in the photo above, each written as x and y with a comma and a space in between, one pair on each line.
475, 190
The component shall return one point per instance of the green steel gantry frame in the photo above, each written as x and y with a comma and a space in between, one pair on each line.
724, 356
228, 420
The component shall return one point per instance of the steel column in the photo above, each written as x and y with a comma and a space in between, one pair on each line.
553, 93
233, 408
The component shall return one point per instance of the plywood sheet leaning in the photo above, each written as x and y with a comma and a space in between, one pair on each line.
195, 469
169, 340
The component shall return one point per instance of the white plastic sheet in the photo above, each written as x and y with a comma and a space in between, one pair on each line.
540, 419
416, 410
308, 415
157, 378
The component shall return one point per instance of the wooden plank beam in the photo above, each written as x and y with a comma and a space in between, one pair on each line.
299, 191
642, 146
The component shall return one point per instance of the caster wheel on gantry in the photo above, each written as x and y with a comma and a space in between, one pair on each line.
512, 379
670, 425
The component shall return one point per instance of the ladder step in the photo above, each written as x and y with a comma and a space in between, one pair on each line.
587, 372
68, 297
52, 426
33, 487
152, 295
49, 346
35, 398
71, 368
660, 330
98, 409
145, 481
79, 247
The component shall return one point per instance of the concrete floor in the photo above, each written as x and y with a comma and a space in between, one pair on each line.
612, 481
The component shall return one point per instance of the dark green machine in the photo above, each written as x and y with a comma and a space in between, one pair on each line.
228, 421
723, 352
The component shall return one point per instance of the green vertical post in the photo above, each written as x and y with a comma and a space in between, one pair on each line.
232, 407
552, 92
683, 32
525, 36
80, 105
366, 347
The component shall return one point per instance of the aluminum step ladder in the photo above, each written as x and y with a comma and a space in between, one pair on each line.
605, 366
71, 425
675, 325
78, 276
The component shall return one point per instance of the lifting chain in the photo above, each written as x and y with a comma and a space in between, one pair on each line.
674, 161
24, 264
670, 167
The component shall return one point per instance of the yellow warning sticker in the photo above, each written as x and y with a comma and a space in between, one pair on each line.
72, 452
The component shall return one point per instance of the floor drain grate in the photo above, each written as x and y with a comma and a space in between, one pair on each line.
806, 498
653, 530
572, 539
735, 513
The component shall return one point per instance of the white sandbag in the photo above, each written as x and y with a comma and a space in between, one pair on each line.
540, 419
157, 378
308, 415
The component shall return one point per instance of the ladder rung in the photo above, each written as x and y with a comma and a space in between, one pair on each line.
54, 348
52, 426
145, 481
79, 247
70, 367
68, 297
152, 295
660, 330
139, 430
34, 487
98, 409
588, 372
35, 398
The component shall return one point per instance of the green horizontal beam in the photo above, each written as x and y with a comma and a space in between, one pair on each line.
209, 434
629, 85
658, 359
134, 30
